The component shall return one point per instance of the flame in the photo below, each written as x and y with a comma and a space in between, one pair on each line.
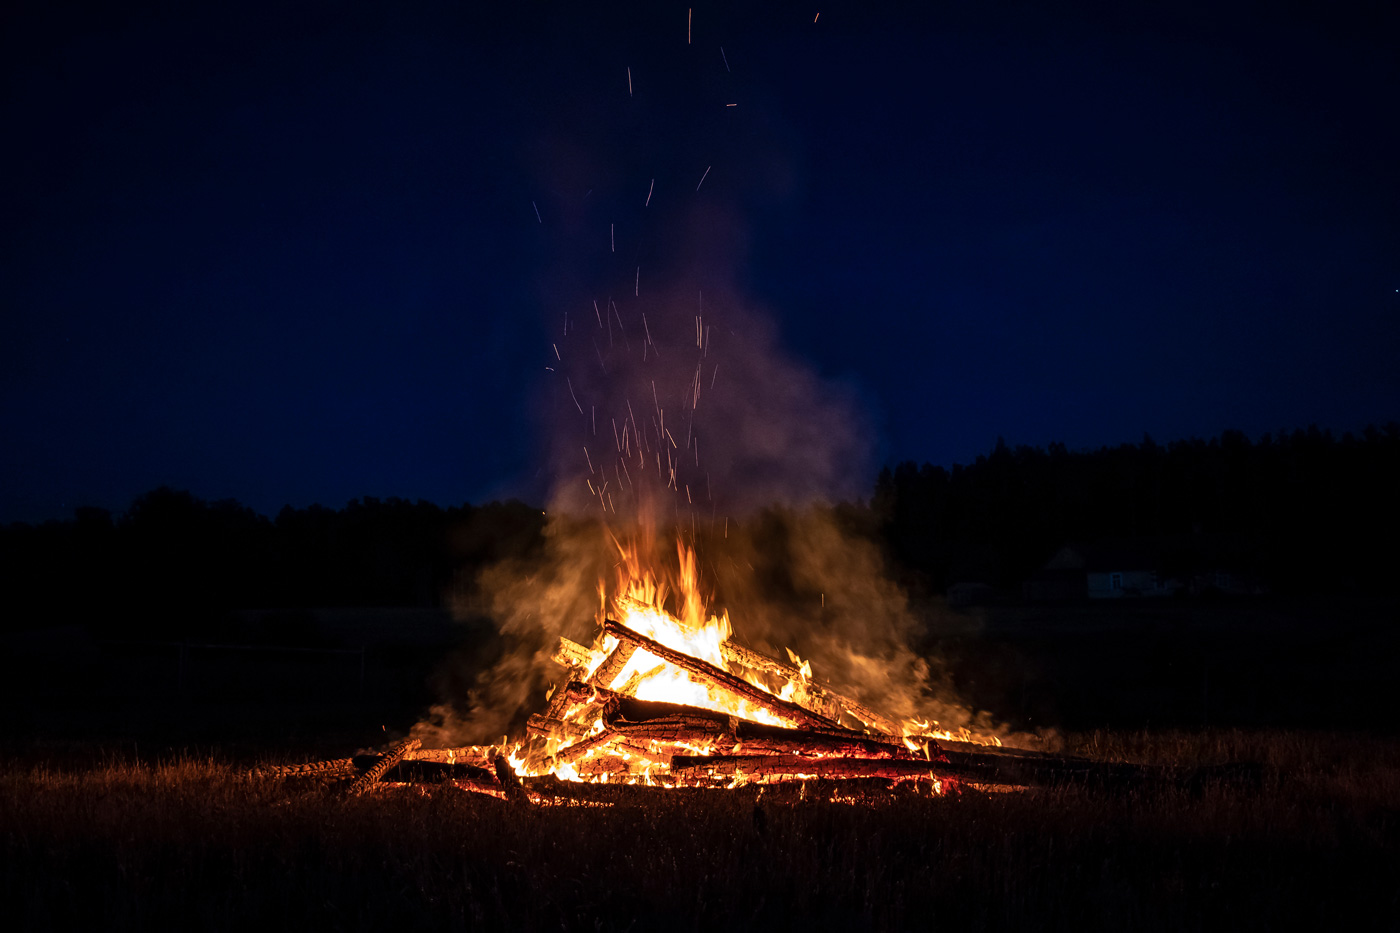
666, 603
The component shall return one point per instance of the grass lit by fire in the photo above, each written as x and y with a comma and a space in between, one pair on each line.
195, 843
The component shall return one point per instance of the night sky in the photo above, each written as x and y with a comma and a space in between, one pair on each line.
304, 252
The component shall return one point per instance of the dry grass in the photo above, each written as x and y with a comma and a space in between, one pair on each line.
197, 844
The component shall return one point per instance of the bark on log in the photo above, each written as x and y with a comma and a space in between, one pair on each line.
820, 692
619, 708
478, 755
577, 750
394, 756
742, 737
339, 767
764, 768
571, 654
479, 787
968, 767
613, 664
713, 677
555, 728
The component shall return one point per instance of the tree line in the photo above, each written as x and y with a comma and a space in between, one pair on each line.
1310, 511
1321, 514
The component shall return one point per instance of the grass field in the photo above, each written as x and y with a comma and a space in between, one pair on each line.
125, 801
197, 844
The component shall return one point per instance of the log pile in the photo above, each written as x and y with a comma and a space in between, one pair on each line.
596, 739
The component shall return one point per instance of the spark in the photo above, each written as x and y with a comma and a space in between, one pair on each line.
612, 236
619, 325
616, 439
703, 177
687, 494
629, 80
590, 461
649, 191
601, 365
598, 314
817, 17
637, 286
731, 105
650, 341
572, 395
537, 211
556, 352
594, 410
725, 57
689, 15
713, 377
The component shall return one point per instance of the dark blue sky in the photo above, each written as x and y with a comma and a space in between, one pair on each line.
290, 253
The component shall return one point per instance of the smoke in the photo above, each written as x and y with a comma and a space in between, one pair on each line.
684, 408
533, 601
813, 580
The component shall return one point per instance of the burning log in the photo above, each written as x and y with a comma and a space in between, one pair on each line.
549, 728
479, 756
580, 749
714, 678
968, 767
510, 783
742, 736
765, 768
746, 657
612, 666
480, 787
571, 654
337, 768
394, 756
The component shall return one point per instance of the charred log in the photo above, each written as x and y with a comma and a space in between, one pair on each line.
612, 665
394, 756
714, 678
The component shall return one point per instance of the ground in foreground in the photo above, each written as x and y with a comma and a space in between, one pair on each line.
198, 844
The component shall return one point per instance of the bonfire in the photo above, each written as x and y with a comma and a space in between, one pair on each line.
667, 698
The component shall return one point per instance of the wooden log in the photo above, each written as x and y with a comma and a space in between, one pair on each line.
714, 678
966, 767
821, 692
613, 664
748, 738
618, 708
479, 787
577, 750
761, 739
571, 654
337, 768
477, 755
767, 768
394, 756
619, 705
549, 728
510, 782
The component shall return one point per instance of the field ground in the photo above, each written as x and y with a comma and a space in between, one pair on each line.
197, 844
125, 801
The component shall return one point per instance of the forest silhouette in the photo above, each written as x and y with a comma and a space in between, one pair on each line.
1308, 513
